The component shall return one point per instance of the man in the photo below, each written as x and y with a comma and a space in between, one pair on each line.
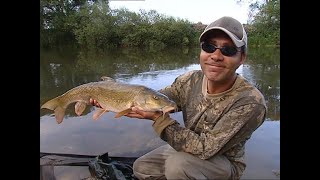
220, 111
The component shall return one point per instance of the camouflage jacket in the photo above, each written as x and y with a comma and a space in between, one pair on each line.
214, 124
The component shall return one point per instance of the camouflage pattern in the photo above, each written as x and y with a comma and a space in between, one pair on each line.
214, 124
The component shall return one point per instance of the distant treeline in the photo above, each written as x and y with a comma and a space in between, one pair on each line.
91, 24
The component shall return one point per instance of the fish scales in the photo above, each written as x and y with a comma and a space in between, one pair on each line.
112, 96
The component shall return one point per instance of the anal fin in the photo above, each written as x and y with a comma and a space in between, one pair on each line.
79, 107
98, 113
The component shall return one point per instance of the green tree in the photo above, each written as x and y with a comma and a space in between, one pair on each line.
59, 18
99, 30
265, 22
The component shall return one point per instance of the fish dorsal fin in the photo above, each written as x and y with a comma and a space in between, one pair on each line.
106, 78
98, 113
79, 107
122, 113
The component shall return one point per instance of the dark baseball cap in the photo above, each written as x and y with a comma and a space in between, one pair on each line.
230, 26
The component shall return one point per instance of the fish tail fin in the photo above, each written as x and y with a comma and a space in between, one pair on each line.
59, 113
54, 105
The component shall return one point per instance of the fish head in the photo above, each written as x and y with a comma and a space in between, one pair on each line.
150, 100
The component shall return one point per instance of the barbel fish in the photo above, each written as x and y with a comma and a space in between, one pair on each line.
112, 96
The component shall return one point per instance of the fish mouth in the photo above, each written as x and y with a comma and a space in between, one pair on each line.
168, 109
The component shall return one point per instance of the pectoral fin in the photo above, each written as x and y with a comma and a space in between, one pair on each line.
98, 113
122, 113
79, 107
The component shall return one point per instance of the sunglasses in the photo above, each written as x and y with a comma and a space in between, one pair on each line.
225, 50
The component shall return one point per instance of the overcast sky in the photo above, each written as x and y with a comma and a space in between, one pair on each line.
204, 11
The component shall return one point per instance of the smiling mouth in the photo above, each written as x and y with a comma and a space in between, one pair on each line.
215, 65
214, 68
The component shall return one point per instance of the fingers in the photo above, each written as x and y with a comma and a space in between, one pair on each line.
139, 113
94, 102
134, 115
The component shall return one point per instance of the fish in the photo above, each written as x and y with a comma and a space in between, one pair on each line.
114, 96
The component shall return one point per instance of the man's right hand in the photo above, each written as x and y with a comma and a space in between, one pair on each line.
95, 103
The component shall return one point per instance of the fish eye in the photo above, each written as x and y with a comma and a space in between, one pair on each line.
155, 97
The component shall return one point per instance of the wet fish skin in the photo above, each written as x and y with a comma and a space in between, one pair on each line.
112, 96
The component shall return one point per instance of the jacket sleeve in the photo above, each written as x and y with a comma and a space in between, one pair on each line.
173, 91
235, 126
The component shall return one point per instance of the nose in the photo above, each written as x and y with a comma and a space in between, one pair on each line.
216, 55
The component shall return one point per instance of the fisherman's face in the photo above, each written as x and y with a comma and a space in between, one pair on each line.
215, 65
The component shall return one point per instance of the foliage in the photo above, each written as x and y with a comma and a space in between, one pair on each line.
58, 19
91, 24
98, 30
265, 23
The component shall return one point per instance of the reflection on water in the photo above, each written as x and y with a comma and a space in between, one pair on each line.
61, 71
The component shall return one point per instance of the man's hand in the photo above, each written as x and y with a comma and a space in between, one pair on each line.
94, 102
135, 113
140, 114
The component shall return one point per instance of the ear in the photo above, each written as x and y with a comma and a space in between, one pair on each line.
243, 57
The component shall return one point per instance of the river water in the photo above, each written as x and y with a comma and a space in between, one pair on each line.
61, 70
